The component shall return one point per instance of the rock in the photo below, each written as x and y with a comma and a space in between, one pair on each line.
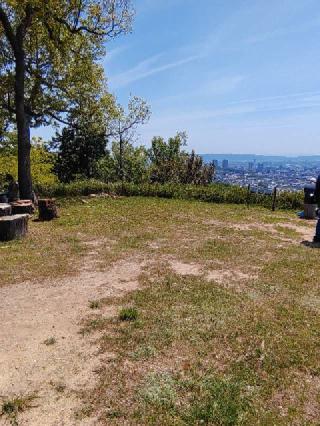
22, 207
47, 209
13, 227
5, 209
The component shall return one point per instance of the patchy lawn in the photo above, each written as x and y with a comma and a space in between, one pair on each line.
224, 328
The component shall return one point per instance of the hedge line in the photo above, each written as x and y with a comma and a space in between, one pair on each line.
214, 193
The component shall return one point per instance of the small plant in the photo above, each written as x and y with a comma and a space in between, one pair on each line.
12, 407
144, 352
128, 314
94, 304
50, 341
60, 387
84, 412
159, 390
93, 324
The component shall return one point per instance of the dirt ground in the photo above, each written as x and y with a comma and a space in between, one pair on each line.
42, 351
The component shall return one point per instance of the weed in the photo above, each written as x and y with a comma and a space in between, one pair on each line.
12, 407
93, 324
144, 352
50, 341
94, 304
159, 390
128, 314
60, 387
84, 412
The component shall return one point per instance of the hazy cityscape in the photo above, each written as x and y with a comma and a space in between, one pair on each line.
263, 173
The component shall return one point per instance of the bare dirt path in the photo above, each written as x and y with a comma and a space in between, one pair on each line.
42, 351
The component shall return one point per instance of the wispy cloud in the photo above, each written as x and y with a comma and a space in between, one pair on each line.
114, 53
283, 32
209, 88
149, 67
247, 109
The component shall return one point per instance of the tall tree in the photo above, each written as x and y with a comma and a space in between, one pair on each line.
78, 151
49, 70
123, 127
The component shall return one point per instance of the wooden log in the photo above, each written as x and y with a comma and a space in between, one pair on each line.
22, 207
5, 209
47, 209
13, 227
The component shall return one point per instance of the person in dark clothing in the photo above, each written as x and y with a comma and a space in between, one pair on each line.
316, 238
13, 188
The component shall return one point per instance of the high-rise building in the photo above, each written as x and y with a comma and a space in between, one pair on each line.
260, 167
250, 166
225, 164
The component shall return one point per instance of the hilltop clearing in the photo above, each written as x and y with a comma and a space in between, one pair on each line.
152, 311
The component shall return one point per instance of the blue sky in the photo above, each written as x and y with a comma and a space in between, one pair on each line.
240, 76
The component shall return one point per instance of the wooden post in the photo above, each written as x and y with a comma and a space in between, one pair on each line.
274, 198
47, 209
248, 195
13, 227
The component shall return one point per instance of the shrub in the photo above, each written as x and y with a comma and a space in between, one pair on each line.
213, 193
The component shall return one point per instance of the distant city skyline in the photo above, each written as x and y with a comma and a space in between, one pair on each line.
240, 77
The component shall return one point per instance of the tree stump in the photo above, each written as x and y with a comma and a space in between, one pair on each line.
5, 209
13, 227
22, 207
47, 209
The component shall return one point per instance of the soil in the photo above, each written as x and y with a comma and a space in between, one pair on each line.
42, 351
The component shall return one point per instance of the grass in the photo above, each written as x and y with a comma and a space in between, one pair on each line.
128, 314
236, 343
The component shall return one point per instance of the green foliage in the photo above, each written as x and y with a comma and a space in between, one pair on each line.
167, 159
123, 129
42, 162
78, 152
135, 164
169, 163
63, 42
213, 193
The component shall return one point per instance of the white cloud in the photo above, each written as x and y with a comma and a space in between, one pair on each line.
147, 68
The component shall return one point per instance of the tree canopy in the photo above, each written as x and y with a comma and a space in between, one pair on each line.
49, 64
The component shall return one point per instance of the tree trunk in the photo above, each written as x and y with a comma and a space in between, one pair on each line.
23, 129
12, 227
121, 159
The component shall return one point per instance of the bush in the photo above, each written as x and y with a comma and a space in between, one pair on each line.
213, 193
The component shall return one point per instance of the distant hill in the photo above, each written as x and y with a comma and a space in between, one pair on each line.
246, 158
